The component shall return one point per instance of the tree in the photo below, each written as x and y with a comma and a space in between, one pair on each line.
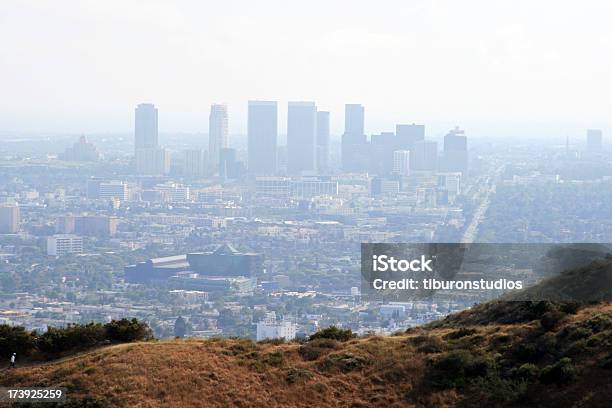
180, 327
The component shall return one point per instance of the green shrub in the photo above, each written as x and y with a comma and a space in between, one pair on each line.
126, 330
462, 332
606, 362
600, 322
550, 320
15, 339
570, 307
561, 373
316, 348
527, 372
428, 344
71, 337
455, 368
345, 362
333, 333
295, 375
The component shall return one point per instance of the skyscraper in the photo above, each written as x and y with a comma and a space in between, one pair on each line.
262, 137
401, 162
408, 135
425, 156
194, 163
354, 140
594, 140
145, 126
9, 219
153, 161
323, 141
302, 138
217, 134
455, 151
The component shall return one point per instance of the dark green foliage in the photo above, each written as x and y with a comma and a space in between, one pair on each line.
15, 339
527, 372
295, 375
316, 348
344, 362
71, 337
333, 333
560, 373
428, 344
126, 330
600, 322
455, 368
570, 307
462, 332
551, 320
606, 362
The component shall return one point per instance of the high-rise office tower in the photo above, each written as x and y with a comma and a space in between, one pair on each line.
153, 161
455, 152
425, 156
217, 134
594, 140
354, 141
401, 162
194, 163
323, 141
302, 138
354, 120
145, 126
408, 135
10, 219
381, 148
262, 137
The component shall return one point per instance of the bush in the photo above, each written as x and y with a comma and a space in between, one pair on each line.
71, 337
15, 339
457, 367
316, 348
550, 320
428, 344
560, 373
600, 322
606, 362
462, 332
126, 330
333, 333
527, 372
295, 375
345, 362
570, 307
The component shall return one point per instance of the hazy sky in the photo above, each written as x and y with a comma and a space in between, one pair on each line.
72, 66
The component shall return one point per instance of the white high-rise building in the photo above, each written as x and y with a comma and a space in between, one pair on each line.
63, 244
10, 218
145, 126
113, 189
270, 328
302, 138
262, 137
217, 135
401, 162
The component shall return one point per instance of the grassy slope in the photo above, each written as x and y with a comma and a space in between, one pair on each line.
372, 371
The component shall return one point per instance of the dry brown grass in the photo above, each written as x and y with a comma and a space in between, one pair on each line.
364, 372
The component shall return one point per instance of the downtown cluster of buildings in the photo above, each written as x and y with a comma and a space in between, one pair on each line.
307, 151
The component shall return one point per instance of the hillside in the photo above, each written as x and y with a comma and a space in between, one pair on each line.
554, 355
